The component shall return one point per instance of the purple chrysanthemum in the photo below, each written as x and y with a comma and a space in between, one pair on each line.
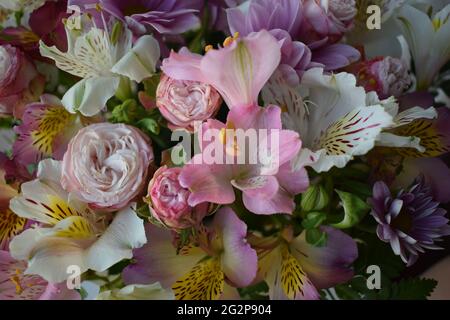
411, 221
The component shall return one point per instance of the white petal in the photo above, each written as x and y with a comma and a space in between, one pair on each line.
22, 245
140, 62
49, 170
420, 33
89, 54
89, 96
48, 257
329, 98
390, 104
138, 292
38, 202
386, 139
278, 92
124, 234
352, 135
319, 160
415, 113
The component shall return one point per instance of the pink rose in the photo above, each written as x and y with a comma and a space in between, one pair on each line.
17, 75
327, 20
184, 102
106, 165
387, 76
169, 200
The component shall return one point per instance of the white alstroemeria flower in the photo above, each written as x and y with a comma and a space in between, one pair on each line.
428, 40
69, 233
101, 59
138, 292
389, 139
331, 115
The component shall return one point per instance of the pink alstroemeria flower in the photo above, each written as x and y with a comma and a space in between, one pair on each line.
268, 187
294, 269
46, 130
218, 260
16, 285
238, 71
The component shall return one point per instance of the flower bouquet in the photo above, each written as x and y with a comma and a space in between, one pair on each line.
222, 149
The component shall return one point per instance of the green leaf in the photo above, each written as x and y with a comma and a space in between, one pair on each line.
127, 112
358, 188
83, 293
185, 237
143, 211
405, 289
7, 122
258, 291
314, 220
354, 210
150, 124
18, 15
411, 289
119, 266
373, 251
316, 237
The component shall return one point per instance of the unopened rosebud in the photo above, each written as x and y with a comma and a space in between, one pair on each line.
168, 201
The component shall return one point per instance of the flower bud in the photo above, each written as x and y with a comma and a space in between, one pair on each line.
314, 199
169, 200
126, 112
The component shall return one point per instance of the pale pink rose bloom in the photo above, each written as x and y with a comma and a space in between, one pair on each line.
184, 102
169, 200
106, 165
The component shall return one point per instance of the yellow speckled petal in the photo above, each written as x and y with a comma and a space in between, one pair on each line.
433, 136
48, 209
74, 227
10, 225
204, 282
53, 122
293, 279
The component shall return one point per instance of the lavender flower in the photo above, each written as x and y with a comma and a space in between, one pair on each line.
284, 19
164, 17
411, 221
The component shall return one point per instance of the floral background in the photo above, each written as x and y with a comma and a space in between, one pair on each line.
351, 205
